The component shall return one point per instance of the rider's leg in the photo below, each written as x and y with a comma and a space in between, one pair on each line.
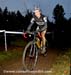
39, 34
43, 41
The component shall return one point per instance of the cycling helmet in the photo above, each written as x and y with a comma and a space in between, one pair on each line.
36, 8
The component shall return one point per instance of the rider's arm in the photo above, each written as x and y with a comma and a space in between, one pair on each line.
45, 24
29, 27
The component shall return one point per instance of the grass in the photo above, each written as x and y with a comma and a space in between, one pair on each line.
62, 64
14, 52
10, 54
19, 42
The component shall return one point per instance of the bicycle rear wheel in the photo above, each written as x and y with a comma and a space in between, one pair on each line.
30, 56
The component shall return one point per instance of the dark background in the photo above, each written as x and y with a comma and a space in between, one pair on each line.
60, 28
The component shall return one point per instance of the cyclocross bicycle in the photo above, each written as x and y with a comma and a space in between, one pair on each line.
31, 50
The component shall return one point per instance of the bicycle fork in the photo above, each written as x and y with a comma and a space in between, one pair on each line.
32, 50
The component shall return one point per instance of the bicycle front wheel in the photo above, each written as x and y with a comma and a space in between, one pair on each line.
30, 56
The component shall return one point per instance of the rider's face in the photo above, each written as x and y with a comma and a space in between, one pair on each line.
37, 13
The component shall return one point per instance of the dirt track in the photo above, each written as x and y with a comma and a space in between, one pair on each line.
44, 63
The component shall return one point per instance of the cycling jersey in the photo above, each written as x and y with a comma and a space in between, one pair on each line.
41, 23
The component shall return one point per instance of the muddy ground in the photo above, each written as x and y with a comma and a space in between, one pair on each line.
43, 64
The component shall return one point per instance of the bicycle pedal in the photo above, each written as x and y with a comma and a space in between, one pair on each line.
44, 54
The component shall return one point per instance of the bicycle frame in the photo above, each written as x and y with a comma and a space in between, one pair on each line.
34, 42
31, 51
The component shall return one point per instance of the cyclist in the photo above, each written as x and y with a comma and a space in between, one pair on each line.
41, 22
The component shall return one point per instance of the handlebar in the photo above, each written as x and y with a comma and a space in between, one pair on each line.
34, 32
25, 33
31, 33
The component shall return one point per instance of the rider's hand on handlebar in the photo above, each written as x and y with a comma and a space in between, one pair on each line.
25, 33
